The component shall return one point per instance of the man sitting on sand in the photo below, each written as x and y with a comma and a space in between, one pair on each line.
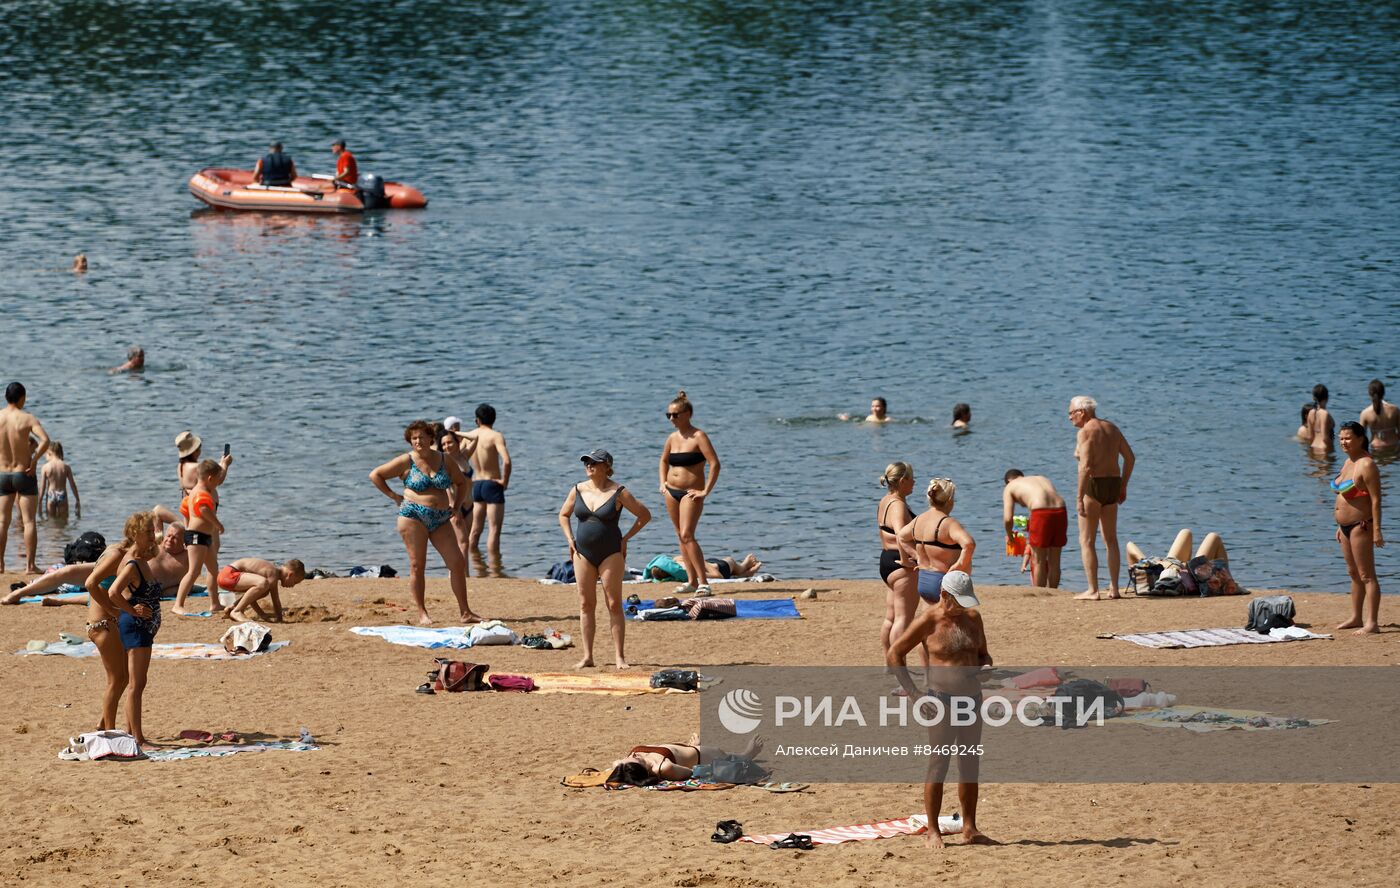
1049, 522
253, 579
1102, 487
169, 565
957, 649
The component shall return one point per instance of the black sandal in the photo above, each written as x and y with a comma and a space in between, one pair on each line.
796, 840
425, 688
727, 831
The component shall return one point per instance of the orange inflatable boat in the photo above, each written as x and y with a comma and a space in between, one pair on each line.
236, 190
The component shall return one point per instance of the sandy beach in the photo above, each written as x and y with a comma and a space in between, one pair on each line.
444, 789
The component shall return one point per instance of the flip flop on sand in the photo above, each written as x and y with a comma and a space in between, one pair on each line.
796, 840
782, 787
200, 736
727, 831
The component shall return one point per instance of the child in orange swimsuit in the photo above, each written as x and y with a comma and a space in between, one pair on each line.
202, 530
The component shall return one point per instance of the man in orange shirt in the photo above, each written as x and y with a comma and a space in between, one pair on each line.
347, 172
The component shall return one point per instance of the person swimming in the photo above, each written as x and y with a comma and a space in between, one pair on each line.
1381, 419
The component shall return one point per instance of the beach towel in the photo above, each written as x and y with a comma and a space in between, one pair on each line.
455, 637
886, 829
1201, 720
744, 609
69, 592
189, 752
178, 651
674, 786
616, 684
1195, 638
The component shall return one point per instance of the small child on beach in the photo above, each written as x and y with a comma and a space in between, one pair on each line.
202, 530
253, 579
54, 480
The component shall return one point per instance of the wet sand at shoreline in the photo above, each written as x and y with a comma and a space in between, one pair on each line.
450, 788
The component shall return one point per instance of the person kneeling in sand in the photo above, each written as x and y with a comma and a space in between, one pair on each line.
253, 579
1048, 526
957, 650
646, 765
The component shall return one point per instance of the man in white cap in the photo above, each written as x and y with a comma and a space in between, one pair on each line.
957, 650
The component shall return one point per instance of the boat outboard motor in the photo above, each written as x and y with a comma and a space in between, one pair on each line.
371, 191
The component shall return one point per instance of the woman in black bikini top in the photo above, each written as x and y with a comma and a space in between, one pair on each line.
897, 566
685, 459
599, 549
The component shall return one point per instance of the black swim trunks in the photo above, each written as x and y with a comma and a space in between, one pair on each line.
20, 483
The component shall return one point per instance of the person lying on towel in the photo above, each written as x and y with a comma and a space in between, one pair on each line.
646, 765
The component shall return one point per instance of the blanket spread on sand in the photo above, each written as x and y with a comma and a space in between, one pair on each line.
749, 609
440, 637
177, 651
885, 829
189, 752
621, 684
1201, 720
69, 592
1195, 638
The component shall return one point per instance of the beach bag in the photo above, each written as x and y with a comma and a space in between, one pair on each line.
454, 675
520, 683
1270, 612
1088, 690
661, 614
710, 608
730, 769
247, 638
85, 549
1213, 577
680, 679
562, 571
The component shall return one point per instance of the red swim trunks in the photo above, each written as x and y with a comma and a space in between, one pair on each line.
1048, 528
228, 578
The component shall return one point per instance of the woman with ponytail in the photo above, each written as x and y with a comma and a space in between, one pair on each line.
1381, 419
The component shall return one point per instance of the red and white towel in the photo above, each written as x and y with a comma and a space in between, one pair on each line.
885, 829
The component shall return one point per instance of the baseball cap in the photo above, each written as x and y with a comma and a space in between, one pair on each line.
959, 585
452, 422
598, 456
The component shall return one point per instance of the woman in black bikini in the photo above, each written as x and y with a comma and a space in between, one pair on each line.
685, 483
599, 549
897, 566
941, 544
1358, 515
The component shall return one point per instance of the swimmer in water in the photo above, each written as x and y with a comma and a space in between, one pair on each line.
962, 416
1381, 419
79, 264
1317, 424
879, 412
135, 360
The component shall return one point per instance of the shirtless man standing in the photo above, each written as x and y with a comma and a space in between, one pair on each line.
17, 476
253, 579
1049, 522
957, 650
491, 461
1102, 487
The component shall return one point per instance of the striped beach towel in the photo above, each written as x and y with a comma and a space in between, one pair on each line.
886, 829
1195, 638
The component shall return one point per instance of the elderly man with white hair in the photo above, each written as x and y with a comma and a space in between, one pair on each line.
1102, 487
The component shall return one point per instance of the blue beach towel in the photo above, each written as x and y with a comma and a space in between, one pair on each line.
433, 638
753, 609
68, 592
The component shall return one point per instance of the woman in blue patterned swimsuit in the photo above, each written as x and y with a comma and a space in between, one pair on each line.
135, 597
431, 483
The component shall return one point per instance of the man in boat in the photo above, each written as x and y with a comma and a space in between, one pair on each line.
347, 172
275, 168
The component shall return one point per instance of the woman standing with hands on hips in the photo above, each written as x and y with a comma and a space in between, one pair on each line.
599, 548
685, 483
1357, 512
432, 482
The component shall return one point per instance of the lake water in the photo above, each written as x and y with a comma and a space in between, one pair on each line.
1189, 211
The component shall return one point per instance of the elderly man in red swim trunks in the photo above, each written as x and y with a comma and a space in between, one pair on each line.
1049, 522
1102, 488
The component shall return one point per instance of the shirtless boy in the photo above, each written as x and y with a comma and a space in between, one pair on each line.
1049, 522
252, 580
491, 461
957, 650
17, 476
1102, 488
